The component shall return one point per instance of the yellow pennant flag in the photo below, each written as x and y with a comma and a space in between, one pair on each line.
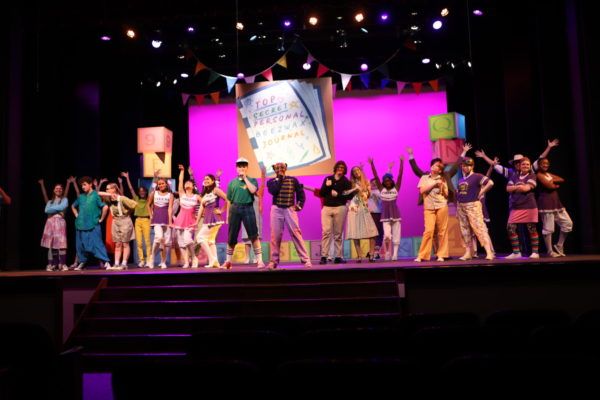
283, 62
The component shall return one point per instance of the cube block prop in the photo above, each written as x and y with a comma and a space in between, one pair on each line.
447, 126
294, 252
455, 243
221, 252
315, 249
266, 251
447, 149
161, 162
284, 251
364, 248
406, 247
156, 139
347, 249
239, 253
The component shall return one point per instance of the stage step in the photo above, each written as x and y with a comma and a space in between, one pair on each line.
142, 317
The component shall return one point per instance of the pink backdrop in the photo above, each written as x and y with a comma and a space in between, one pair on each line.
380, 126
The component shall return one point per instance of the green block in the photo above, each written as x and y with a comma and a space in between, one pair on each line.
447, 126
266, 255
416, 245
294, 253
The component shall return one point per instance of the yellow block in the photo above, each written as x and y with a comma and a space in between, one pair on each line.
239, 253
284, 251
157, 162
364, 246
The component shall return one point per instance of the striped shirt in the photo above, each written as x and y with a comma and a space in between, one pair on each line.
283, 192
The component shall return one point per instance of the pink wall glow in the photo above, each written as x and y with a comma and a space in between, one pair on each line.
380, 126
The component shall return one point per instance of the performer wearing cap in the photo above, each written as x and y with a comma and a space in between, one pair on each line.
516, 161
240, 193
284, 212
471, 188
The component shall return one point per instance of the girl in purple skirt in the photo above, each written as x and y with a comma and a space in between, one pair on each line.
160, 208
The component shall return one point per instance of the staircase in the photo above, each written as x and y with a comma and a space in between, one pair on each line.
138, 318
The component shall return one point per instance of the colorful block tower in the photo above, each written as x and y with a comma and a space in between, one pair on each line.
156, 146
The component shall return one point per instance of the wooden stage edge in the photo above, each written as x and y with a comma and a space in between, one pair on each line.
405, 264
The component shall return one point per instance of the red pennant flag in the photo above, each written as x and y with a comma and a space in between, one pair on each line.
215, 97
349, 86
199, 98
434, 84
410, 44
321, 70
268, 74
417, 87
185, 97
199, 67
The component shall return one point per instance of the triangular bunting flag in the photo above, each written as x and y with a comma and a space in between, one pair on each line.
417, 87
384, 82
283, 62
189, 54
434, 84
310, 59
345, 80
400, 86
410, 44
384, 69
250, 79
199, 98
365, 79
215, 97
199, 67
231, 80
185, 97
213, 77
349, 86
268, 74
321, 70
333, 90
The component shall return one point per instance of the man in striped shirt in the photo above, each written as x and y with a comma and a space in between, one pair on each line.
284, 213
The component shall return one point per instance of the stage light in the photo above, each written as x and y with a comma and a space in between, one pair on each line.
477, 12
240, 75
469, 64
174, 81
158, 84
287, 23
191, 29
239, 26
105, 38
306, 66
384, 17
414, 28
452, 65
438, 66
359, 17
339, 17
426, 61
444, 12
313, 21
364, 30
184, 75
437, 24
130, 33
252, 38
364, 67
156, 44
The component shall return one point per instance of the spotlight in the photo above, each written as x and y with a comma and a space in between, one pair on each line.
240, 75
184, 75
364, 67
156, 44
174, 81
313, 21
438, 66
477, 12
158, 84
359, 17
426, 61
105, 38
469, 64
384, 17
414, 28
287, 23
239, 26
130, 33
444, 12
306, 66
339, 17
437, 24
253, 38
364, 30
191, 29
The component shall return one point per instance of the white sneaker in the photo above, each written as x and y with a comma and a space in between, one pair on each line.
163, 266
49, 267
186, 265
417, 259
534, 255
440, 259
195, 263
124, 266
150, 265
64, 267
308, 264
512, 256
73, 266
559, 250
261, 265
394, 258
80, 267
141, 264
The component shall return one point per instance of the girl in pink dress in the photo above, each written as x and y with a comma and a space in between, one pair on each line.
184, 225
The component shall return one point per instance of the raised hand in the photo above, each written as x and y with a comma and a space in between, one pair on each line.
467, 147
409, 150
181, 167
496, 160
402, 157
370, 160
553, 143
125, 174
218, 173
41, 181
156, 173
479, 153
119, 180
190, 170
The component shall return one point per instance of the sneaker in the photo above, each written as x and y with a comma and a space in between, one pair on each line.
490, 257
308, 264
150, 265
207, 266
64, 267
388, 257
441, 259
124, 266
216, 264
73, 266
323, 260
226, 265
186, 265
512, 256
261, 265
80, 267
106, 265
163, 265
395, 258
271, 265
142, 264
339, 260
465, 257
417, 259
534, 255
329, 259
49, 267
559, 250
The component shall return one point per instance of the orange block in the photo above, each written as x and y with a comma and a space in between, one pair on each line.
156, 139
455, 243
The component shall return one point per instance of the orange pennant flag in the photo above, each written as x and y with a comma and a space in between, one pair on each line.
417, 87
215, 97
268, 74
283, 62
199, 67
199, 98
434, 84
